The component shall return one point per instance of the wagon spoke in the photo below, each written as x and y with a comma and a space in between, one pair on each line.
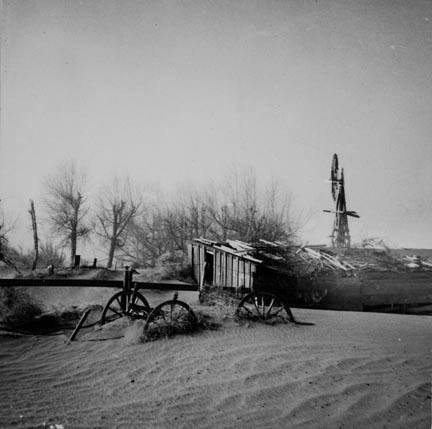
181, 313
270, 307
247, 309
255, 299
162, 313
277, 312
116, 312
262, 307
119, 302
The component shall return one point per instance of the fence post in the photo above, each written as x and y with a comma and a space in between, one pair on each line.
126, 289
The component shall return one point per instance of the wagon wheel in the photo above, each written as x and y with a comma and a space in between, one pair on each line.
264, 306
169, 318
138, 309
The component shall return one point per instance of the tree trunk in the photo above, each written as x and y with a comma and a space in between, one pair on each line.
111, 252
32, 212
73, 240
74, 230
113, 238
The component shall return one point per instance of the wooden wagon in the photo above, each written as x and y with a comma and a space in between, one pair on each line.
266, 290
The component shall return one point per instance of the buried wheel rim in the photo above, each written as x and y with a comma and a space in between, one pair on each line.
169, 318
263, 306
136, 309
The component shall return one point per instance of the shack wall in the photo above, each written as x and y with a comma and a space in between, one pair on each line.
366, 290
228, 270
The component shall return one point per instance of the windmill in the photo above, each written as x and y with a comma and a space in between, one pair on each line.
340, 234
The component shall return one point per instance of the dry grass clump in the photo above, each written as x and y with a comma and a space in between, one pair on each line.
17, 308
135, 334
189, 325
223, 303
218, 296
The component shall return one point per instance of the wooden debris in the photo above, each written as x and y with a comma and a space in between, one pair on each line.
79, 326
308, 260
239, 245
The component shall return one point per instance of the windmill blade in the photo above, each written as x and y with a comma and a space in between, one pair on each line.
347, 212
335, 162
334, 176
334, 211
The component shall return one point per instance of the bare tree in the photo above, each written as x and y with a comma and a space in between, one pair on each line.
186, 218
3, 236
5, 249
118, 205
147, 240
66, 204
241, 208
164, 227
51, 254
237, 207
32, 212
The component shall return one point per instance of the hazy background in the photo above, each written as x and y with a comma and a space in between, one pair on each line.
180, 91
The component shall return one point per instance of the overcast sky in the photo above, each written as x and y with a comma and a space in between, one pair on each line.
174, 91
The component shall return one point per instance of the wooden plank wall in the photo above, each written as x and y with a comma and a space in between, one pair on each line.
228, 270
202, 261
194, 262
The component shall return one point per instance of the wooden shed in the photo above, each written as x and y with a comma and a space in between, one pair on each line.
218, 264
313, 276
238, 266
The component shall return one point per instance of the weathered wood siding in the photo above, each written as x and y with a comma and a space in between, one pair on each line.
367, 289
228, 270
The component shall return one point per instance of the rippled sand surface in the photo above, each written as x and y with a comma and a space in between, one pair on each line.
349, 370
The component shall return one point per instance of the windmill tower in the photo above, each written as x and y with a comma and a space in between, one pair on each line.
340, 235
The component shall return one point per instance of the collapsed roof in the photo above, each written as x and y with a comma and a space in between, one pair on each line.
305, 260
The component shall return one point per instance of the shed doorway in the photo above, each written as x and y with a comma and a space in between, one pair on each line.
208, 270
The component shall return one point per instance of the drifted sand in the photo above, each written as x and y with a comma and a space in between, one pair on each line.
349, 370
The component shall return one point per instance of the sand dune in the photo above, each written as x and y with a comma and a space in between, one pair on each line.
349, 370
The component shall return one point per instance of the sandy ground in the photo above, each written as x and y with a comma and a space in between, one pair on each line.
349, 370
